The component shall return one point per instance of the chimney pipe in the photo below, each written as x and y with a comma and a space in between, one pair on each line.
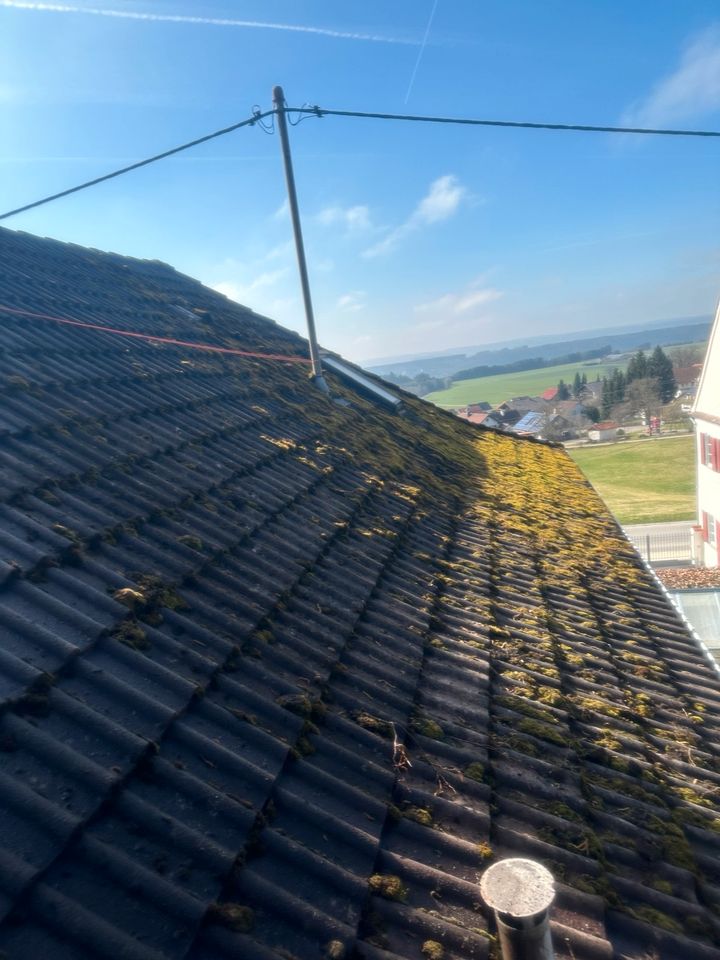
520, 893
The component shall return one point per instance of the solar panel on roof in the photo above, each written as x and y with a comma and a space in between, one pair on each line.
530, 423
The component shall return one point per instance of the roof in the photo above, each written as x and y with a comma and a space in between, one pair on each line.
567, 406
604, 425
280, 677
473, 417
530, 423
687, 375
549, 394
521, 403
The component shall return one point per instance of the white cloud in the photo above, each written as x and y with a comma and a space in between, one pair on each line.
229, 290
351, 302
352, 218
692, 89
441, 202
282, 212
456, 303
245, 292
268, 294
203, 21
457, 316
280, 251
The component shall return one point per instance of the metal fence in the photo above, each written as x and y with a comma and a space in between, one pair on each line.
663, 547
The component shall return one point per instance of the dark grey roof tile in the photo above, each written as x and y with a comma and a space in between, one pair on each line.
259, 648
52, 925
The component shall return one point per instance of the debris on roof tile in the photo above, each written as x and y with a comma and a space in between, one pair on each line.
281, 678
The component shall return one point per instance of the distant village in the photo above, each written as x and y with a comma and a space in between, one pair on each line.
655, 391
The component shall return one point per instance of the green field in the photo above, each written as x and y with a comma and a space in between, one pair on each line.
643, 481
506, 385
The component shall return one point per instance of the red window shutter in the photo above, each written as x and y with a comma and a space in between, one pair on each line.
705, 527
711, 461
702, 448
716, 454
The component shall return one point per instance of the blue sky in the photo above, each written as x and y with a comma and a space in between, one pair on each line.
418, 237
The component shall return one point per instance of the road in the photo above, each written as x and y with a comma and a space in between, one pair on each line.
673, 529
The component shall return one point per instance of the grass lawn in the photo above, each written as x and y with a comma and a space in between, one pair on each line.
506, 385
643, 481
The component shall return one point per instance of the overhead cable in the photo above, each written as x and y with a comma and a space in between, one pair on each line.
152, 338
257, 117
316, 111
524, 125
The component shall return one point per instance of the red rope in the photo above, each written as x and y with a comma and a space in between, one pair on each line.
153, 339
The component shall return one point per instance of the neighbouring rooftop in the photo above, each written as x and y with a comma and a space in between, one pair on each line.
279, 678
701, 608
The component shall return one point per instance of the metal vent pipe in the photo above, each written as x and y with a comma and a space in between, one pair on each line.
279, 104
520, 893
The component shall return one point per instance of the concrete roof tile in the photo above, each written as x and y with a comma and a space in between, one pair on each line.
281, 677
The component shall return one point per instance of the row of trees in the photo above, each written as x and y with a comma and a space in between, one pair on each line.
531, 363
647, 383
565, 391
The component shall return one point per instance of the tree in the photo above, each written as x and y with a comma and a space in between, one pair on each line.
686, 355
592, 413
613, 392
577, 385
618, 382
563, 393
660, 368
605, 397
637, 368
644, 397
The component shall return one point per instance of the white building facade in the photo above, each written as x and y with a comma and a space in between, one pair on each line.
706, 414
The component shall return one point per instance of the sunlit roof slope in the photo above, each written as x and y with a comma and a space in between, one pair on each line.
279, 677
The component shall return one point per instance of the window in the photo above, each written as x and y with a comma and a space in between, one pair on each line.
711, 530
710, 451
706, 450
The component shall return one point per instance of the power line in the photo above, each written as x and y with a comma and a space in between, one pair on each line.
524, 125
304, 112
207, 347
257, 117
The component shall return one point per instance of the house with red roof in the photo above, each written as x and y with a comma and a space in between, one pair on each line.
605, 430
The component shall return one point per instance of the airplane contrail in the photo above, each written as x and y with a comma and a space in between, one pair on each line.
205, 21
421, 51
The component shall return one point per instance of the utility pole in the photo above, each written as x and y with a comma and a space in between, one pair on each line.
279, 103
